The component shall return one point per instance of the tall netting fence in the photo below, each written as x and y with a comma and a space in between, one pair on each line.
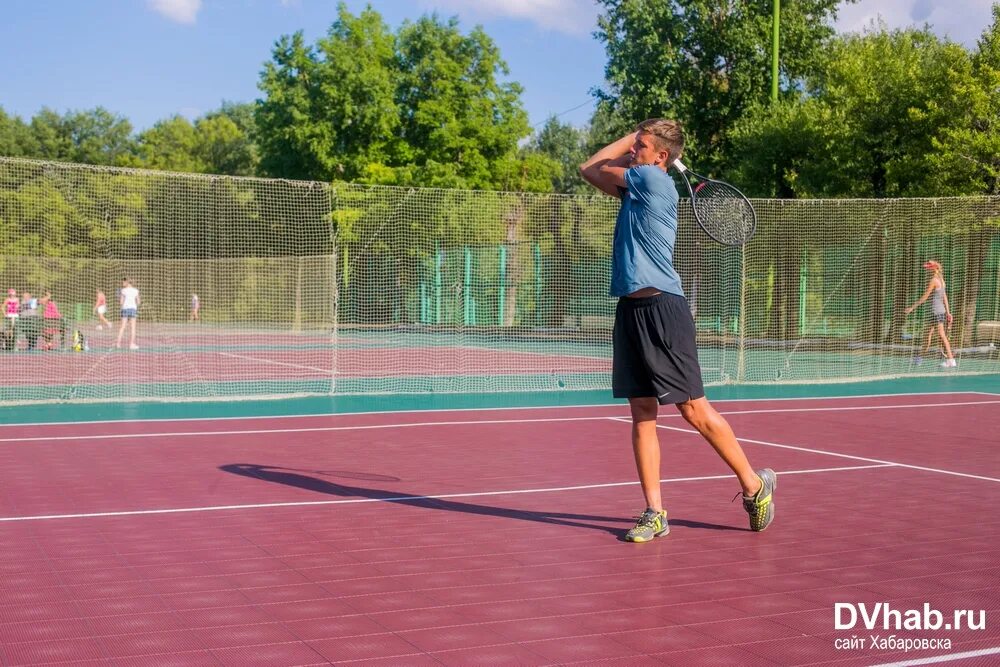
309, 288
257, 255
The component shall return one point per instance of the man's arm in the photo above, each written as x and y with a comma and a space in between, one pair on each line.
605, 169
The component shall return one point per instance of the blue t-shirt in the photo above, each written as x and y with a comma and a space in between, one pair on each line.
643, 250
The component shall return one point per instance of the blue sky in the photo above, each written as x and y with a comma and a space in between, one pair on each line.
149, 59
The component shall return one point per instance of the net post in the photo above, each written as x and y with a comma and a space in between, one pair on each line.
538, 283
803, 287
503, 284
424, 317
438, 259
467, 287
741, 347
297, 322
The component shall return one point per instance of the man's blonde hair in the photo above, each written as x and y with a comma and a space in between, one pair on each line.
668, 135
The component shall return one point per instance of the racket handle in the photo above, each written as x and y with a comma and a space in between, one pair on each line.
680, 165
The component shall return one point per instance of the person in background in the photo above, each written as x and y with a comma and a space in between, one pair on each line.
101, 307
29, 321
129, 301
11, 311
940, 312
53, 323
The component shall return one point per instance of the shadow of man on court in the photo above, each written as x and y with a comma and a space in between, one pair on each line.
296, 478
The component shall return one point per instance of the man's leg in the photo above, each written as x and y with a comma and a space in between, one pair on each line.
759, 486
646, 448
716, 430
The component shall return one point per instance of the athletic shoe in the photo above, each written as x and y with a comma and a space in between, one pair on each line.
133, 346
650, 524
917, 361
949, 363
760, 507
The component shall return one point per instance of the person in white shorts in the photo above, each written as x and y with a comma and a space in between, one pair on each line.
101, 307
129, 300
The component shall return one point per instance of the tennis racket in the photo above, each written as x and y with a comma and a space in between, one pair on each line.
722, 211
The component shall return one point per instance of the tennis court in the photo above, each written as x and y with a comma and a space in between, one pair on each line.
493, 536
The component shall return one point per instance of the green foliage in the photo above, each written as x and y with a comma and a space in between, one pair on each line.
422, 106
213, 144
705, 62
966, 157
16, 138
90, 137
783, 151
567, 146
891, 93
227, 140
873, 123
171, 145
327, 108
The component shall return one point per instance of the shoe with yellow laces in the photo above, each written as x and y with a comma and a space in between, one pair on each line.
760, 506
650, 524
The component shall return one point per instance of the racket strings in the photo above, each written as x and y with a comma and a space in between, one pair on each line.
724, 213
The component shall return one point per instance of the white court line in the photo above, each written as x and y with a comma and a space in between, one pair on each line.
826, 453
327, 371
365, 427
941, 658
618, 404
309, 429
846, 408
354, 501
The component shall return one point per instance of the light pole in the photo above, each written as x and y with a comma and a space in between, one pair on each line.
774, 50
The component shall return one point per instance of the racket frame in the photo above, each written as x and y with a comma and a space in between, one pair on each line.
693, 192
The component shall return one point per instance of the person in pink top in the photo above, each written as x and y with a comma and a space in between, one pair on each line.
11, 308
53, 322
101, 307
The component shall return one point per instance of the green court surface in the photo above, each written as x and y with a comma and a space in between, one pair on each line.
342, 404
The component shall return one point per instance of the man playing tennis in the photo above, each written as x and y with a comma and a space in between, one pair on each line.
655, 358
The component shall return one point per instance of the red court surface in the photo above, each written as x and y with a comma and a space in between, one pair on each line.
492, 537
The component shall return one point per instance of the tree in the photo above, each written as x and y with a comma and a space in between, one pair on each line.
705, 62
91, 137
171, 145
567, 146
16, 139
966, 160
228, 140
966, 156
423, 106
329, 110
454, 113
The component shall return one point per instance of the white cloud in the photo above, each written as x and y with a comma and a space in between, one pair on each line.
575, 17
960, 20
181, 11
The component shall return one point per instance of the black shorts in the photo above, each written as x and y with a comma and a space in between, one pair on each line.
655, 353
936, 318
